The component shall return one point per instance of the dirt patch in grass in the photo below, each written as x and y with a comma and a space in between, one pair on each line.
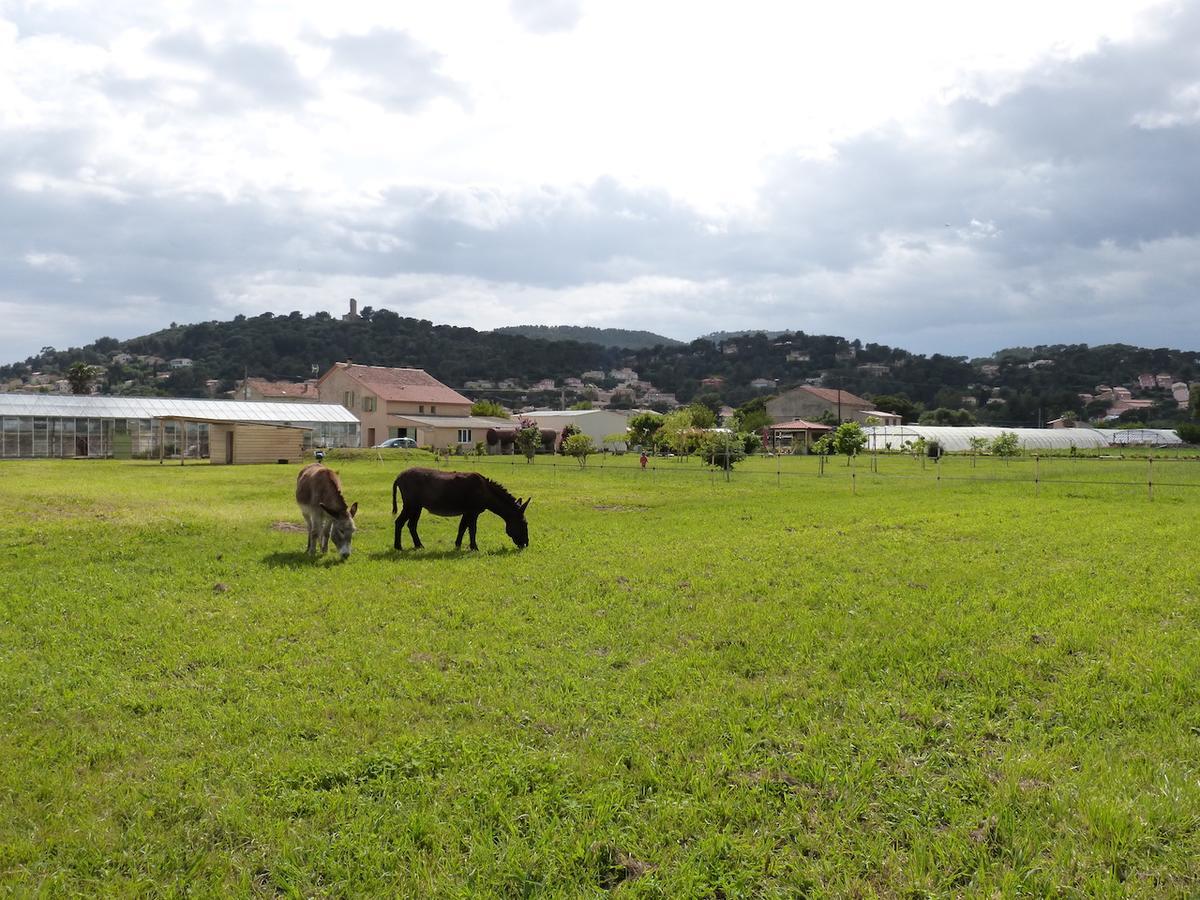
287, 526
615, 866
617, 507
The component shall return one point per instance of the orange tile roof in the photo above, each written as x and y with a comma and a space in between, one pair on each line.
801, 425
412, 385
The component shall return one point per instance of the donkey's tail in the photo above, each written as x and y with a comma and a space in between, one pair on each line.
395, 485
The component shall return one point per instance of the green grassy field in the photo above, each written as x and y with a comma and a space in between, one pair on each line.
919, 682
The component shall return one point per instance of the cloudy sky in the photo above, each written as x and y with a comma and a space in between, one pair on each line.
938, 175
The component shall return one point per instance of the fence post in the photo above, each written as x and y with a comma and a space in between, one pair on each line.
937, 467
1150, 476
1037, 476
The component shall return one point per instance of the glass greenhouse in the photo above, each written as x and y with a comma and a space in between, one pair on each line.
959, 439
69, 426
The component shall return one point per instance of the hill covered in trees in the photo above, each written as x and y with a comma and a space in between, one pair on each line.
1016, 386
605, 337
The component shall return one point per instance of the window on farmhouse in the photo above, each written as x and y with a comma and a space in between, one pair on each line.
348, 399
464, 435
368, 404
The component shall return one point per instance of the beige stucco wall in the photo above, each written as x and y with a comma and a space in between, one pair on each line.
254, 444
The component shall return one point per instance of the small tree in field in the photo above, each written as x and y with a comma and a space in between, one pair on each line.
529, 438
579, 446
1006, 444
849, 439
722, 449
978, 445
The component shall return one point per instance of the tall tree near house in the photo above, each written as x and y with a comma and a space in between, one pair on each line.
80, 376
488, 408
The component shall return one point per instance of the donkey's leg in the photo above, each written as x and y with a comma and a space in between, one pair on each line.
462, 528
474, 521
400, 520
312, 534
412, 527
326, 527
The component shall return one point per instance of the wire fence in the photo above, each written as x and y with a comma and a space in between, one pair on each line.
1145, 475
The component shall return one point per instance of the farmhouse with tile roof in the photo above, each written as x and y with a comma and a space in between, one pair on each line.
379, 395
808, 402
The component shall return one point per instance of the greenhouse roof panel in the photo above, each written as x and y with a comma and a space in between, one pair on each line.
62, 405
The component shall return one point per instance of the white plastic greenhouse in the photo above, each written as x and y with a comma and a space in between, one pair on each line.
958, 439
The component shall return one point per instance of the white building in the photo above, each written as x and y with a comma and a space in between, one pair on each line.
595, 423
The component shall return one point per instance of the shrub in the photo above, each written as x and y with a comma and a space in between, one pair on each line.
849, 438
579, 446
1189, 432
529, 438
722, 449
1006, 444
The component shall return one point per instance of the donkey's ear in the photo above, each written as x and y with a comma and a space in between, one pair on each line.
525, 505
354, 509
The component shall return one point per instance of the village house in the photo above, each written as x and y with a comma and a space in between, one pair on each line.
1120, 399
180, 362
394, 402
763, 384
798, 356
810, 403
875, 370
261, 389
660, 398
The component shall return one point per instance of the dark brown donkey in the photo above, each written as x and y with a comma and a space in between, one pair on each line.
465, 494
319, 494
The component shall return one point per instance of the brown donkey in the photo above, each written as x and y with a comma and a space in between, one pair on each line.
319, 494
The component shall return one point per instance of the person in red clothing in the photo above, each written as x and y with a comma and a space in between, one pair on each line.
644, 460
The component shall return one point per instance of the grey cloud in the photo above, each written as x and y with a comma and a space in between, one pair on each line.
546, 16
239, 73
399, 72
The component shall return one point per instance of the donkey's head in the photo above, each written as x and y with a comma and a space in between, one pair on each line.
516, 527
343, 528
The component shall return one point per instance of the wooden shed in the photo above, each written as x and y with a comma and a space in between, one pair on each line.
236, 443
239, 443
